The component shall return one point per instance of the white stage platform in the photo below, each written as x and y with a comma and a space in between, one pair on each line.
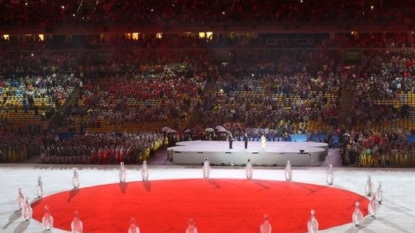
274, 153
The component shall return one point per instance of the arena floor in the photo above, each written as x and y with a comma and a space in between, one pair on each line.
395, 215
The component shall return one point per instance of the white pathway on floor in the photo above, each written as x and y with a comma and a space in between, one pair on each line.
396, 214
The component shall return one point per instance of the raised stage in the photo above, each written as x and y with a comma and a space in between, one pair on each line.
274, 153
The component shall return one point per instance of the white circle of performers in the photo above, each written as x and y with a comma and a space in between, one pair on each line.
191, 226
357, 216
144, 171
39, 187
312, 224
206, 168
265, 226
75, 179
379, 194
123, 172
47, 220
27, 210
133, 228
369, 186
249, 170
20, 199
330, 175
77, 225
288, 171
373, 206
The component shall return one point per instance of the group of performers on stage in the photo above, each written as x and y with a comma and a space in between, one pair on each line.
245, 139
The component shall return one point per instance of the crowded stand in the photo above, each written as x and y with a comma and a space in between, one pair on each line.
176, 12
156, 97
104, 98
277, 89
384, 85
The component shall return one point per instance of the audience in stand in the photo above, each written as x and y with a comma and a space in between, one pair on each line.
177, 12
288, 87
383, 86
280, 91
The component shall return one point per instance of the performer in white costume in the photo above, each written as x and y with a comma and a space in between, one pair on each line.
47, 220
27, 210
265, 226
369, 186
373, 206
249, 170
133, 228
122, 172
357, 216
75, 179
379, 194
144, 171
20, 199
39, 187
263, 141
312, 224
330, 175
77, 225
288, 171
191, 226
206, 168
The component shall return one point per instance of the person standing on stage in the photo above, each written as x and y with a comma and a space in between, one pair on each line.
263, 141
144, 171
75, 179
133, 226
249, 170
206, 168
265, 226
20, 199
246, 140
191, 227
76, 225
39, 187
122, 173
27, 211
47, 220
230, 139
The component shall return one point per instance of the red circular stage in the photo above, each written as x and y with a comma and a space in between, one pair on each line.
216, 205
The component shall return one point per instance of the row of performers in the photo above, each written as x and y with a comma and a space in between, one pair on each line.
103, 155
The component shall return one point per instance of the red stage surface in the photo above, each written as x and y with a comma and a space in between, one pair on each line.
216, 205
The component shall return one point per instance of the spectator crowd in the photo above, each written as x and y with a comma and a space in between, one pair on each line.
282, 84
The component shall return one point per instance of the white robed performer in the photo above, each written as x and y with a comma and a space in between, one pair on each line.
76, 224
369, 186
122, 172
133, 228
27, 210
191, 226
39, 187
373, 206
20, 199
330, 175
379, 194
144, 171
263, 141
75, 179
312, 224
265, 226
357, 216
47, 220
288, 171
206, 168
249, 170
